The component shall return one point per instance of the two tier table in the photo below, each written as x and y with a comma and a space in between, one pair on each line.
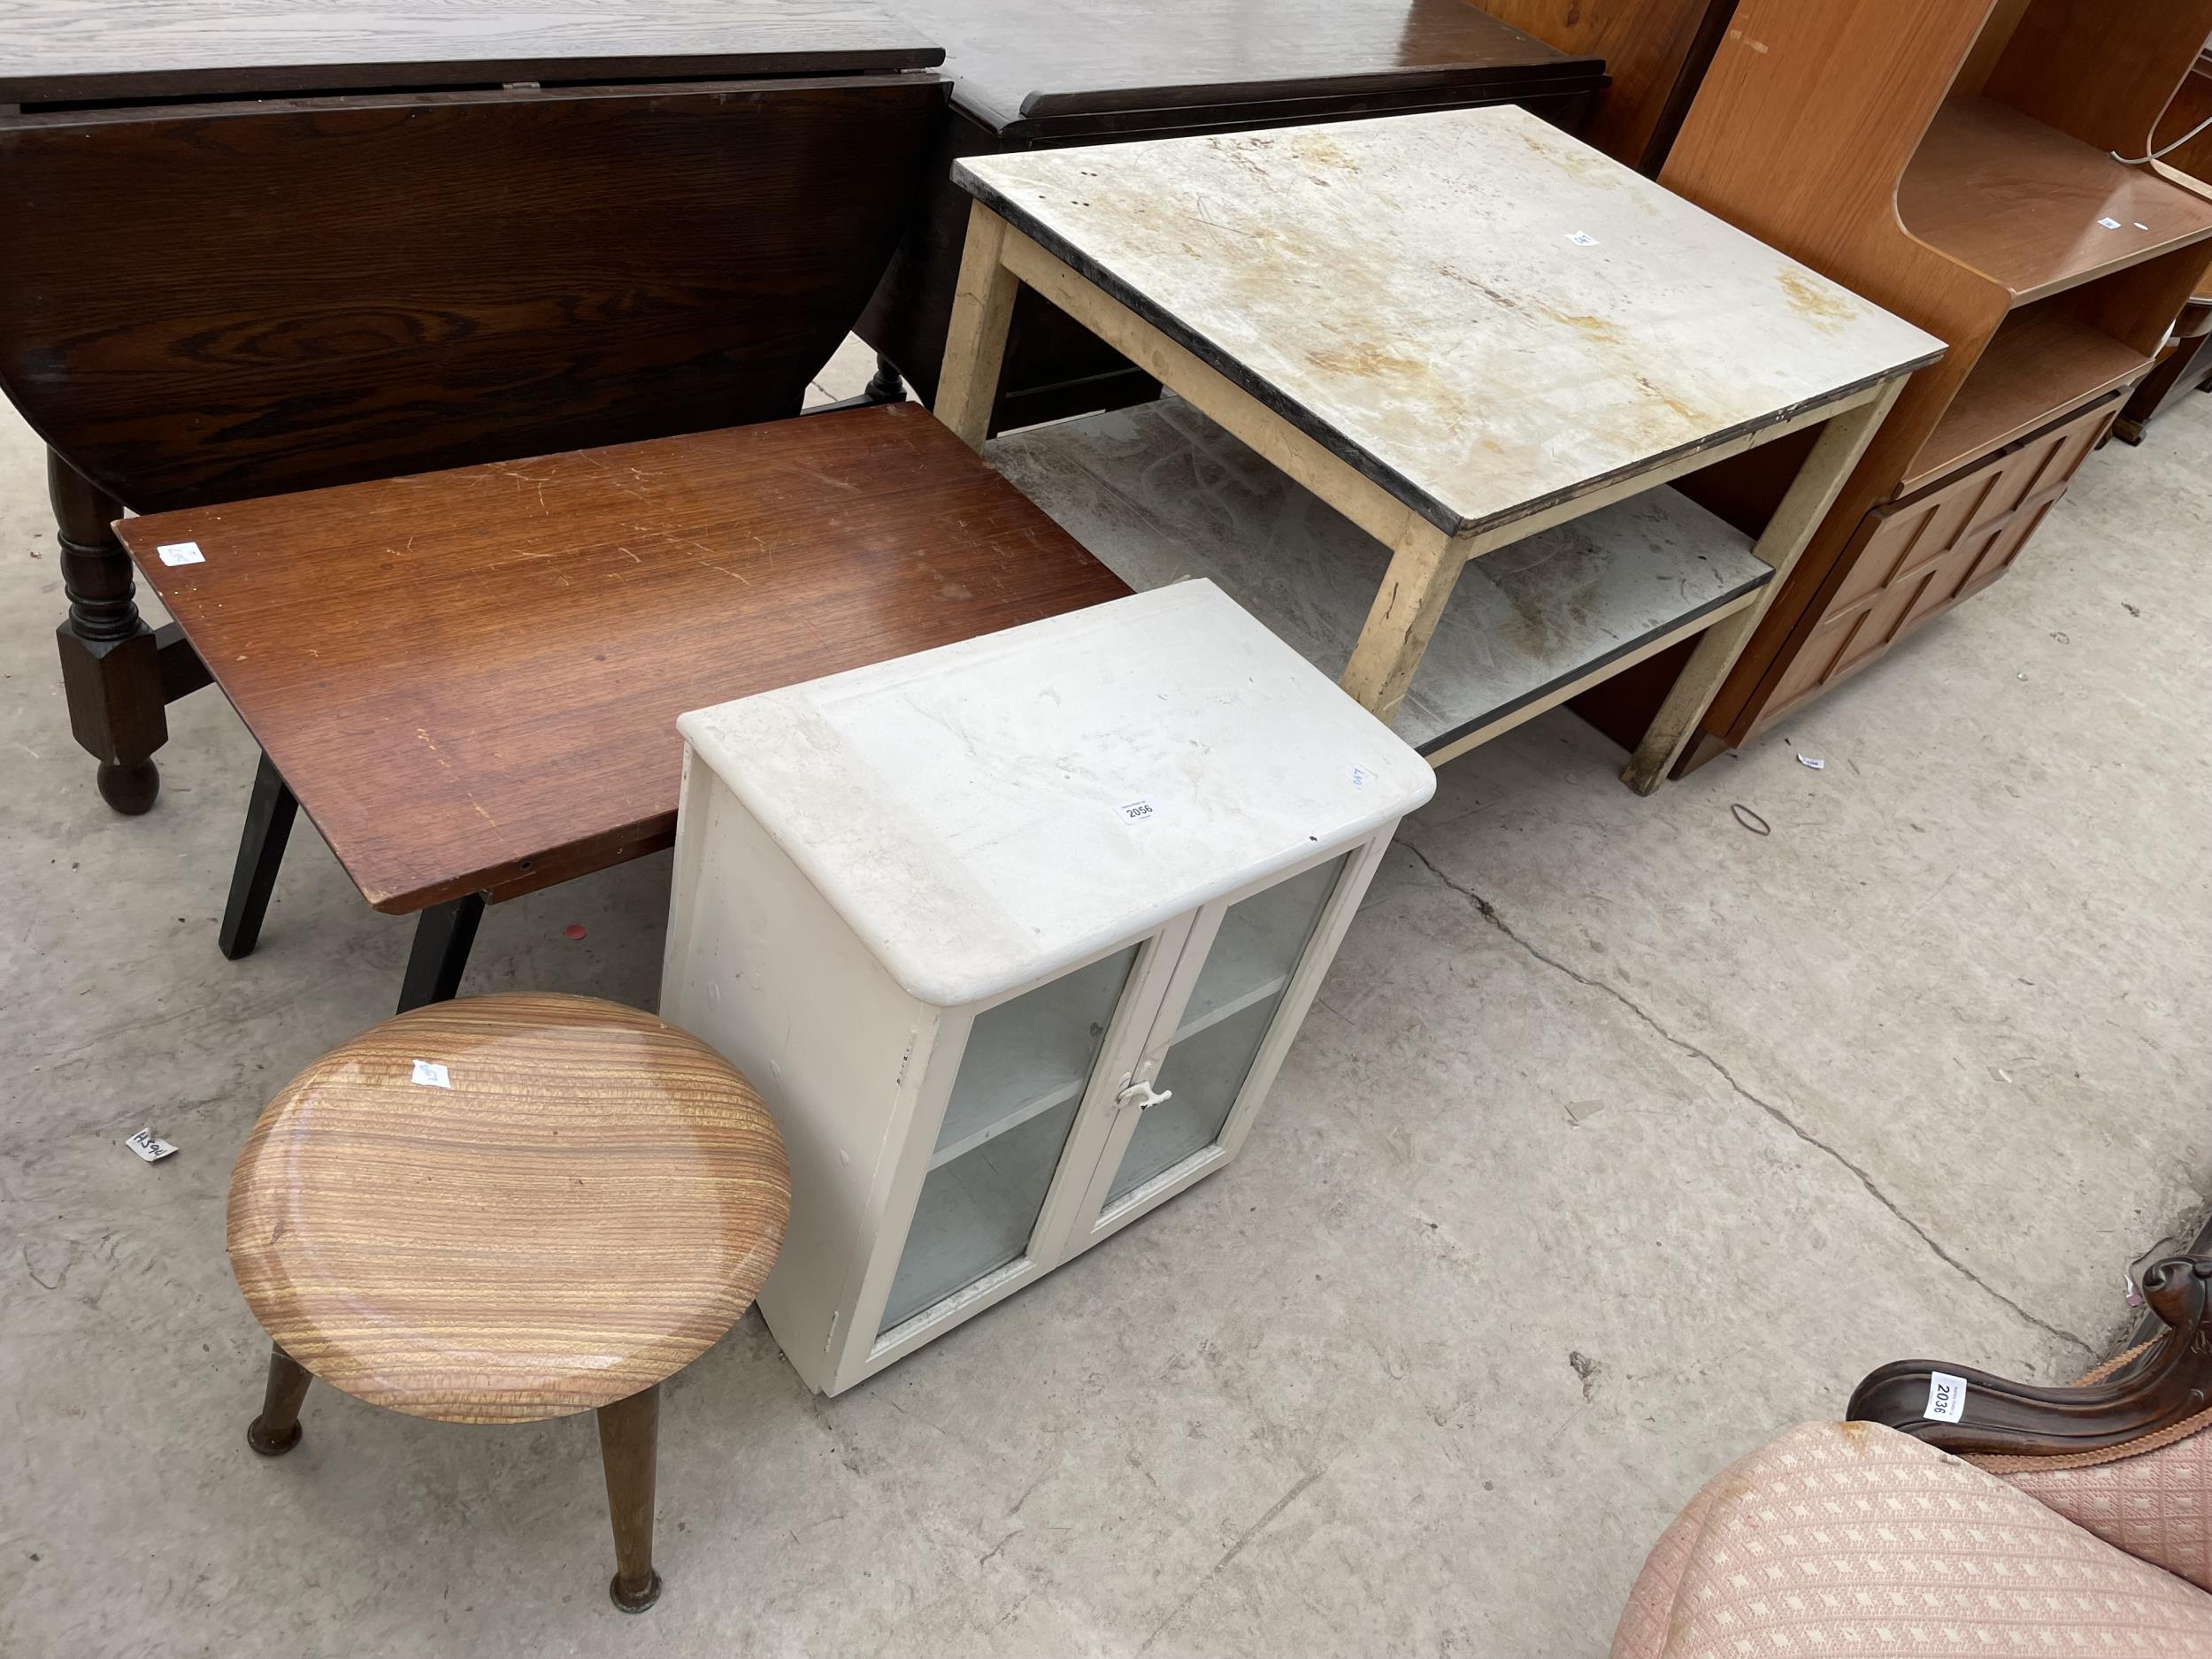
1397, 347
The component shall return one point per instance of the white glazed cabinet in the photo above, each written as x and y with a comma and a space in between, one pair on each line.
1012, 936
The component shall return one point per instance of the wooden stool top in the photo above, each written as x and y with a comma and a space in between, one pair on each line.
470, 679
577, 1205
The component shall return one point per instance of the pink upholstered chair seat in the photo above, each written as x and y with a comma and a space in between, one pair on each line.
1850, 1539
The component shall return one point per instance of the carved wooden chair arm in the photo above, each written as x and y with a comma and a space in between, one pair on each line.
2159, 1387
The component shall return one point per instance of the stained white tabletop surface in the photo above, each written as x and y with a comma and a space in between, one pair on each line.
1481, 313
986, 813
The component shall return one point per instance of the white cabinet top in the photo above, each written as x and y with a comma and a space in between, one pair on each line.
987, 813
1483, 315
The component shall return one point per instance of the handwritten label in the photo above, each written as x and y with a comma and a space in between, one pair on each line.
1581, 240
149, 1146
1143, 809
432, 1074
2109, 224
181, 553
1360, 777
1947, 1398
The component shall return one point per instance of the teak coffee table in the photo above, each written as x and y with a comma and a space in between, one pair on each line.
470, 679
1459, 331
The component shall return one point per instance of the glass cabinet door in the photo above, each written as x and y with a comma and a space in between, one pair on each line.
1261, 940
1021, 1081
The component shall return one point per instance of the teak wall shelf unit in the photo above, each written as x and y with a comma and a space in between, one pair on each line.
1952, 161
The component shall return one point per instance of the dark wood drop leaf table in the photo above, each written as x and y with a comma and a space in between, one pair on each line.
256, 248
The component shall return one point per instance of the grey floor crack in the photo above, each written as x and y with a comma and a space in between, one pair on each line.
1234, 1551
1489, 913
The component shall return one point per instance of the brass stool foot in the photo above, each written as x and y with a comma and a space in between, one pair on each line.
271, 1445
639, 1601
277, 1430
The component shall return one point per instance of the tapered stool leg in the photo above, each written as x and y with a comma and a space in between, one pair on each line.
629, 1440
277, 1430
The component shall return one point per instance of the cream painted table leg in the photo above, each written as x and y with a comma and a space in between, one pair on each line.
975, 346
1818, 481
1425, 566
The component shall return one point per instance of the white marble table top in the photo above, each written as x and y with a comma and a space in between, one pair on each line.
1480, 313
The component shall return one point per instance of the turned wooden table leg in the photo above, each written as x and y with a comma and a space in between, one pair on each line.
629, 1441
277, 1430
885, 386
111, 667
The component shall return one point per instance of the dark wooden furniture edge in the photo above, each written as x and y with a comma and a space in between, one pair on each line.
1151, 120
1325, 433
2159, 1389
2150, 1324
1566, 73
221, 83
1688, 76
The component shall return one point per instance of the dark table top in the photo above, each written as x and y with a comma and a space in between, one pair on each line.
57, 50
1015, 60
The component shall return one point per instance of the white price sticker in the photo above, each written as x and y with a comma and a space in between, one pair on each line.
149, 1146
432, 1074
1143, 809
1947, 1397
181, 553
1812, 761
1581, 239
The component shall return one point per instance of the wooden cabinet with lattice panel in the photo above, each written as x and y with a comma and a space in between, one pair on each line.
1914, 558
1952, 161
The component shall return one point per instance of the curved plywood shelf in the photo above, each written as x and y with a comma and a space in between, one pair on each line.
2040, 361
2034, 211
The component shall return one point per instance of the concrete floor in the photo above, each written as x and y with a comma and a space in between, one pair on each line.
1621, 1139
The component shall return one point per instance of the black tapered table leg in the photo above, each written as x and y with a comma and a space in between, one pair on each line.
270, 810
441, 955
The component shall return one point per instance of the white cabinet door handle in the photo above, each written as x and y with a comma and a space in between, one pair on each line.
1143, 1097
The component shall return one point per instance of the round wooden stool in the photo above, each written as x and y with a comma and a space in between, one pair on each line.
504, 1208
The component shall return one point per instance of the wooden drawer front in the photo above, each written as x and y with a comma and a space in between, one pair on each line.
1912, 559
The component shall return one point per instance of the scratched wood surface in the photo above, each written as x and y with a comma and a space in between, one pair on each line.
57, 49
591, 1203
1166, 494
1480, 313
470, 679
